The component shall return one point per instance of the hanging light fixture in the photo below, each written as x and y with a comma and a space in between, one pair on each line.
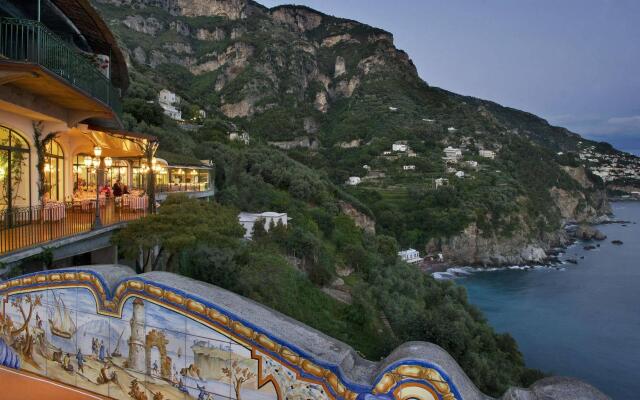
47, 167
194, 172
96, 162
108, 162
97, 151
87, 161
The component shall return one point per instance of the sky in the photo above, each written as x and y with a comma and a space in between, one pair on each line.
574, 63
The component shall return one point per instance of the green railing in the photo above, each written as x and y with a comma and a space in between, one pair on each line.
31, 41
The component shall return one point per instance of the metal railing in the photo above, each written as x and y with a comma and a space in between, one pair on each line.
181, 187
25, 227
31, 41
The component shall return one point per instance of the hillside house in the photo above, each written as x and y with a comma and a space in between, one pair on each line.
452, 154
409, 167
441, 182
459, 174
399, 147
411, 256
451, 129
487, 154
248, 221
354, 181
239, 137
472, 164
169, 102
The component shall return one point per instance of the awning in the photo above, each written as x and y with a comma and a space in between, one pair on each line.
115, 144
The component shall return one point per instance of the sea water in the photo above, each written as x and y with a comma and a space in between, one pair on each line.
576, 320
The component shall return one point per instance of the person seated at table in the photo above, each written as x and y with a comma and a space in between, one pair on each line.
125, 189
106, 190
117, 188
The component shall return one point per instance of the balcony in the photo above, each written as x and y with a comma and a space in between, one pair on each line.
22, 228
27, 41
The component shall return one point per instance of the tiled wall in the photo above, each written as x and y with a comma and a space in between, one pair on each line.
139, 345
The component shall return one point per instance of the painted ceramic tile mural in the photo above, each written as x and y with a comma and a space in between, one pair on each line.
145, 342
147, 354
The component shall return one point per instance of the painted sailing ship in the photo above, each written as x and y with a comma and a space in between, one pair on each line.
62, 324
116, 352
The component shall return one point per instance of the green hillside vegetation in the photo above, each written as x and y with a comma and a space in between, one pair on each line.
284, 268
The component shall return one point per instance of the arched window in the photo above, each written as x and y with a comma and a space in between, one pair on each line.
54, 171
84, 178
119, 171
15, 162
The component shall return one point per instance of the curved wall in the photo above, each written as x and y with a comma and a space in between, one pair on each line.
120, 335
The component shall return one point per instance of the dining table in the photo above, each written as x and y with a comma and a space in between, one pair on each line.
53, 211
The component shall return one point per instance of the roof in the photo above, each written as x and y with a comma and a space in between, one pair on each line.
248, 217
99, 36
125, 134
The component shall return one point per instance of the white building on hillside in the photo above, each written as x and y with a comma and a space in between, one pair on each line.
409, 167
452, 154
460, 174
169, 103
451, 129
248, 220
239, 137
411, 256
472, 164
487, 154
354, 181
399, 147
441, 182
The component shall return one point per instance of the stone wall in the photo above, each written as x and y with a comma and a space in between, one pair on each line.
164, 336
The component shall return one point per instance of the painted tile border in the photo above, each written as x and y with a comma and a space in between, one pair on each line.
388, 384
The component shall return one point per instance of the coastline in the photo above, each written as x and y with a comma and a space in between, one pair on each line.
555, 317
557, 257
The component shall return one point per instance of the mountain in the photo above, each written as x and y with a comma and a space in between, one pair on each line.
335, 95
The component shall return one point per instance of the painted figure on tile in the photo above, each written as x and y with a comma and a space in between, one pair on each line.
204, 395
80, 359
66, 363
106, 374
101, 351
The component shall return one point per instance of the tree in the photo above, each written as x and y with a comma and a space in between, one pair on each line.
259, 230
181, 224
41, 144
238, 375
25, 305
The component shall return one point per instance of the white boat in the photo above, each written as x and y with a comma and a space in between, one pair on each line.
61, 324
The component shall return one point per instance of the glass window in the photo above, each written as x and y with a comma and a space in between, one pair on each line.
15, 161
119, 170
84, 179
54, 171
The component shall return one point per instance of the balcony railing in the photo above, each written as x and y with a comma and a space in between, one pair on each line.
181, 187
31, 41
21, 228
